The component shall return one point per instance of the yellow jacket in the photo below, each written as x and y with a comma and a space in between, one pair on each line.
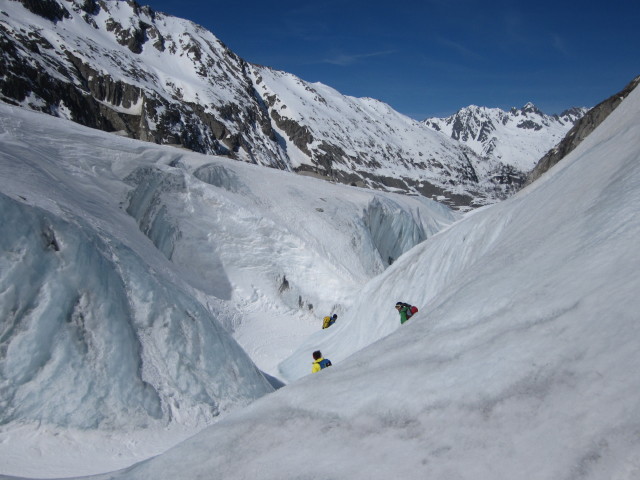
315, 367
327, 322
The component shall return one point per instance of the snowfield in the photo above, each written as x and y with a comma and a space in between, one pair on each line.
521, 363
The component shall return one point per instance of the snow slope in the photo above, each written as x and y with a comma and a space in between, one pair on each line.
126, 268
366, 141
520, 364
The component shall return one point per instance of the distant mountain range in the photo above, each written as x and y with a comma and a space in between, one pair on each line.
124, 68
517, 138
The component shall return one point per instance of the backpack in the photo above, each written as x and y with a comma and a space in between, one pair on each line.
324, 363
411, 310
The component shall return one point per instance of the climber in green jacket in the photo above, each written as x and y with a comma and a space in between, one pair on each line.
405, 310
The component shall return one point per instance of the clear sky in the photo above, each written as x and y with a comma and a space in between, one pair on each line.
432, 57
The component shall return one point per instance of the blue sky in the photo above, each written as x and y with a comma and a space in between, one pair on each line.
432, 57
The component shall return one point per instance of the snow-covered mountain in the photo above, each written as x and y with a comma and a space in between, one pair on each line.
511, 143
120, 67
521, 362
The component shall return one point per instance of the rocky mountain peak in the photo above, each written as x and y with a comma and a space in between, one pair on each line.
515, 138
530, 108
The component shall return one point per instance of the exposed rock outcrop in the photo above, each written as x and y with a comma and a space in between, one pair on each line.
580, 131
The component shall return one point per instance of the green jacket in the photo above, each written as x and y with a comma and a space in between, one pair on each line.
403, 314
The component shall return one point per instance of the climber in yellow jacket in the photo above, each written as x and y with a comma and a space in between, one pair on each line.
328, 321
318, 362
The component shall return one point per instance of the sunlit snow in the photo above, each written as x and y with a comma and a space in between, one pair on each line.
139, 284
521, 364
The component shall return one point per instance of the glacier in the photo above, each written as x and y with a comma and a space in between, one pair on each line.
152, 290
520, 363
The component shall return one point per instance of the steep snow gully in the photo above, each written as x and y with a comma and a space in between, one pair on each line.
230, 219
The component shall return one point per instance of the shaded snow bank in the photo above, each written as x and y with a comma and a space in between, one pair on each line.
92, 339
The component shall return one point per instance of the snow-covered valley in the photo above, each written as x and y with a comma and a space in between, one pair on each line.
520, 363
159, 307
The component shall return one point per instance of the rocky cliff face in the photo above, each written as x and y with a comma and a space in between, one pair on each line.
580, 131
124, 68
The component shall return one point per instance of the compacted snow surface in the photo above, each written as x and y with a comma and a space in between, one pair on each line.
521, 363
